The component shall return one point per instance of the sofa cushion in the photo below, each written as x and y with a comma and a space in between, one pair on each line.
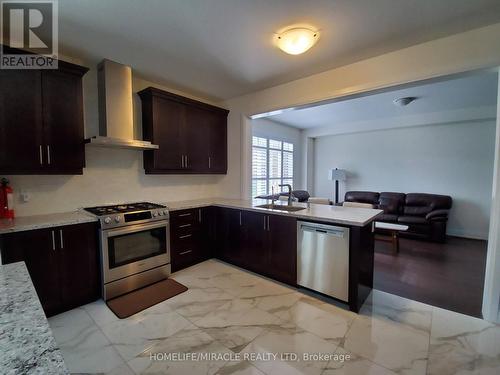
392, 203
420, 204
362, 197
387, 218
412, 220
420, 211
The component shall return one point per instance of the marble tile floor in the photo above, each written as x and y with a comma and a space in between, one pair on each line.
242, 320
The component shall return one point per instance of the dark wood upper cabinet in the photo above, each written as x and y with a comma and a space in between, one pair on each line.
62, 105
217, 142
21, 129
168, 133
197, 138
192, 135
41, 121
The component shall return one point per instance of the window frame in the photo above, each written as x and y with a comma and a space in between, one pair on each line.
268, 177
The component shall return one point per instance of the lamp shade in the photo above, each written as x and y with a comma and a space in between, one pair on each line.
337, 174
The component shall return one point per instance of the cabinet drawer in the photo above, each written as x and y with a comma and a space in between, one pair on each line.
183, 217
187, 240
179, 229
183, 260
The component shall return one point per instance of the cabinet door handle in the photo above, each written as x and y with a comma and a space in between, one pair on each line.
61, 238
48, 154
183, 215
41, 155
182, 161
186, 236
185, 252
53, 241
240, 219
184, 226
209, 162
187, 162
264, 223
268, 228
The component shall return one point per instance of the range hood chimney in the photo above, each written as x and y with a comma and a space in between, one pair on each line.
116, 124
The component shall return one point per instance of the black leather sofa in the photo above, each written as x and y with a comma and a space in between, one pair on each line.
425, 214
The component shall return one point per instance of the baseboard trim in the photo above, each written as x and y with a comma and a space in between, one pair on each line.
470, 236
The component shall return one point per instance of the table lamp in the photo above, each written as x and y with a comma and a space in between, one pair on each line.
337, 175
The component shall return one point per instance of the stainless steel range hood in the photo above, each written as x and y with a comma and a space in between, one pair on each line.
116, 124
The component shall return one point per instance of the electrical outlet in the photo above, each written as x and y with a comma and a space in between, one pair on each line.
25, 196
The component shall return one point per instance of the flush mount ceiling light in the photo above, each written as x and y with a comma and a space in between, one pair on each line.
401, 102
296, 40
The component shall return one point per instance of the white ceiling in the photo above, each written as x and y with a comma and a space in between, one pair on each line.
475, 91
223, 48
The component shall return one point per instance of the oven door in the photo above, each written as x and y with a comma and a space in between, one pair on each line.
133, 249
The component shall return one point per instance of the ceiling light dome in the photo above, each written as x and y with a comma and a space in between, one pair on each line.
401, 102
297, 40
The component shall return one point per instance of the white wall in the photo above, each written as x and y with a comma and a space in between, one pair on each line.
491, 294
111, 175
452, 159
269, 129
475, 49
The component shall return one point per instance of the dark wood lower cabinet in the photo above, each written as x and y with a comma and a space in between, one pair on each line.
79, 264
254, 249
228, 236
265, 244
283, 249
191, 236
63, 263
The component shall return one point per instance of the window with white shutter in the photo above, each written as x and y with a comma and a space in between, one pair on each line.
272, 165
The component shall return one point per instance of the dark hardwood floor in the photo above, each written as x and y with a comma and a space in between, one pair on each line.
449, 275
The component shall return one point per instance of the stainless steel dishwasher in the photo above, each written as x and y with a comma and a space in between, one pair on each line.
323, 259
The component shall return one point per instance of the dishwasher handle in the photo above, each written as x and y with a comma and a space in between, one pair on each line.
340, 233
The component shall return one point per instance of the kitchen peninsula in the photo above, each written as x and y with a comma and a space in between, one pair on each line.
239, 232
26, 339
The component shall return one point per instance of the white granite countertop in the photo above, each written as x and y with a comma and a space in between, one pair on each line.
319, 212
316, 212
23, 223
28, 346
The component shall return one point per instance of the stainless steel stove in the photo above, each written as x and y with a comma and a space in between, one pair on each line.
135, 246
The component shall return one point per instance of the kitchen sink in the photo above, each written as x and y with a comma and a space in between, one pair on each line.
281, 208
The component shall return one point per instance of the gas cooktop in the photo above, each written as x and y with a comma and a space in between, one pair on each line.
122, 208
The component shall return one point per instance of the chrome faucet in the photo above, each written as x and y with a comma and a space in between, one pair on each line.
290, 195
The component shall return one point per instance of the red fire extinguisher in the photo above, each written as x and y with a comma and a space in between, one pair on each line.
6, 200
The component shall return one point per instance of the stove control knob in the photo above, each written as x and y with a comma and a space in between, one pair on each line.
154, 214
117, 219
160, 213
165, 212
107, 220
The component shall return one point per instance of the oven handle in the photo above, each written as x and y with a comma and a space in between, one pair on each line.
134, 229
